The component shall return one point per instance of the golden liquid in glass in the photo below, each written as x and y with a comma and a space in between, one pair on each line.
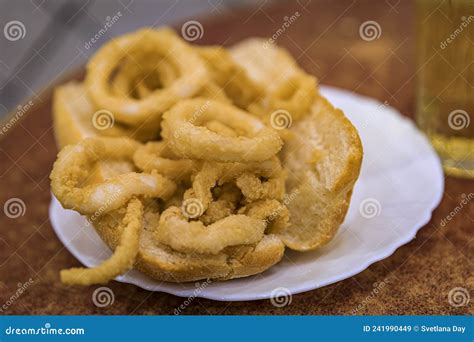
445, 80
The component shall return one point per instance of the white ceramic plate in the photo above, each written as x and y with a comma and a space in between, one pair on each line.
401, 182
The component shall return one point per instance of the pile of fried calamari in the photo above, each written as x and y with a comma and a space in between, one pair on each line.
200, 142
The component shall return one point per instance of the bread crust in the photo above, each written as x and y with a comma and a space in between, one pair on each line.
324, 158
72, 114
162, 263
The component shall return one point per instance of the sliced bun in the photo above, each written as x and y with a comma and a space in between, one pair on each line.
323, 160
75, 118
73, 121
323, 153
162, 263
72, 114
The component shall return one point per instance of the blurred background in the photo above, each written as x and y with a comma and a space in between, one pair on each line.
53, 35
415, 55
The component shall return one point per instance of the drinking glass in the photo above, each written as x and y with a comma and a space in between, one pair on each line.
445, 80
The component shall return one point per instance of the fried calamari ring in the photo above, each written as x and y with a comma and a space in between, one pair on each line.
228, 196
74, 163
253, 188
295, 96
121, 85
123, 257
157, 156
194, 237
165, 75
183, 128
219, 128
213, 92
230, 76
164, 45
275, 214
212, 174
140, 81
287, 87
140, 76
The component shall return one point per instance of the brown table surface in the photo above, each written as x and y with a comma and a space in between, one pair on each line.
325, 40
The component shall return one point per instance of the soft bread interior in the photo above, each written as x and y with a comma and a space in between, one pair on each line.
323, 160
72, 114
322, 155
76, 118
265, 63
73, 121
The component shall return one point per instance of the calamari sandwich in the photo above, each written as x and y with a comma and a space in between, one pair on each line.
200, 162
